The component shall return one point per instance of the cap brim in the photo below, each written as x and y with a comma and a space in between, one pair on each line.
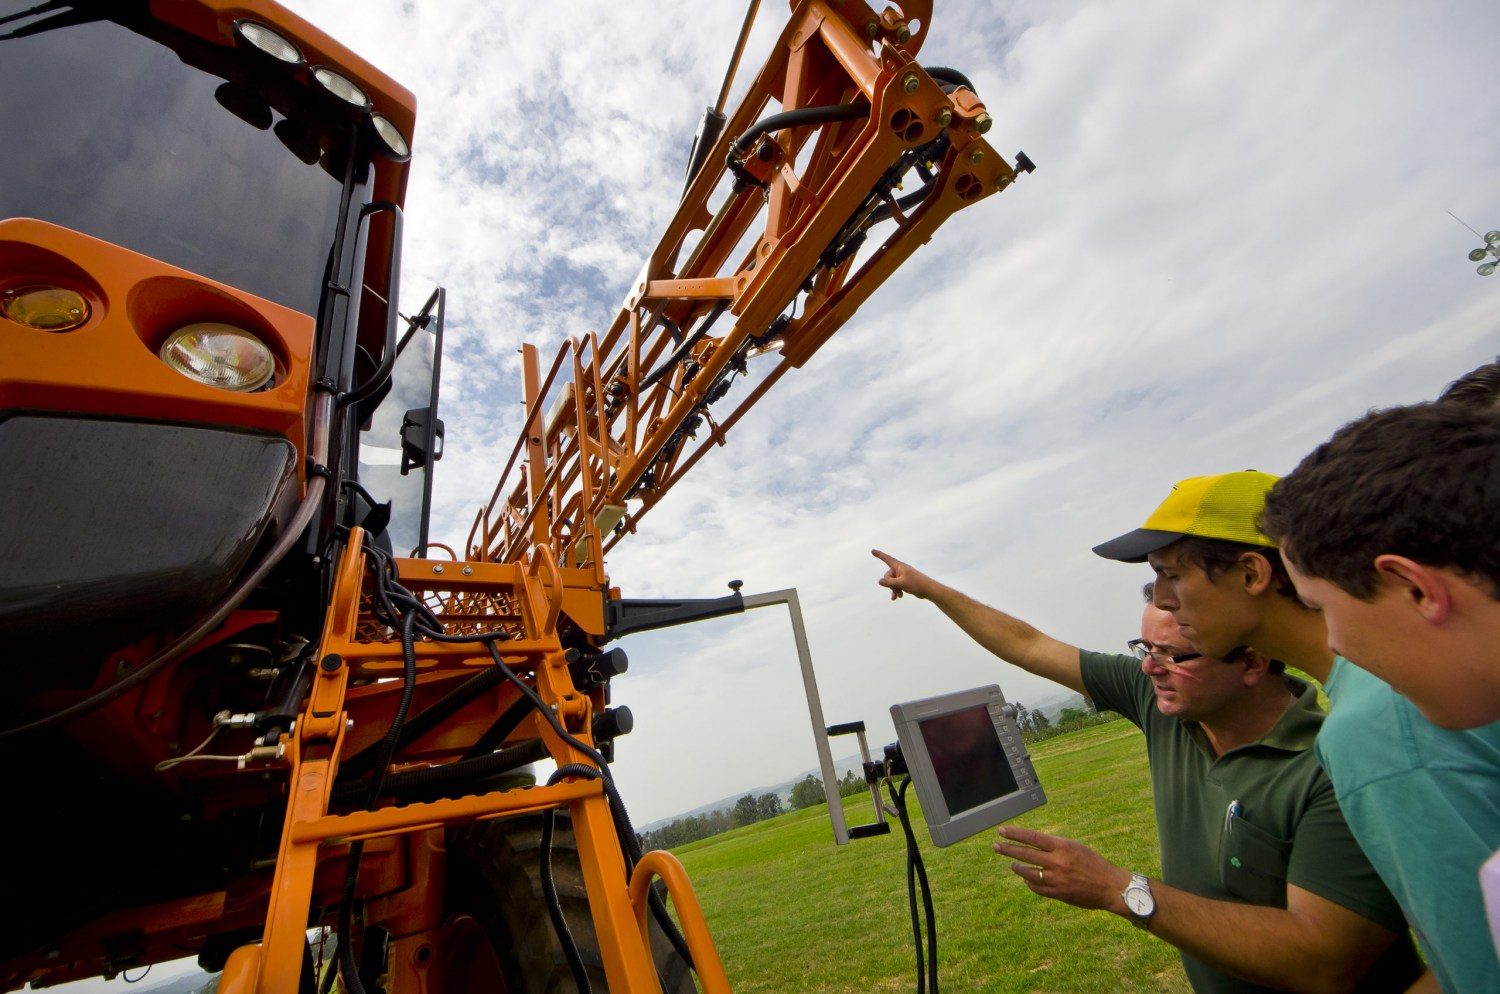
1134, 547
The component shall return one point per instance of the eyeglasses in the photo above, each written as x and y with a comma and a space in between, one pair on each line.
1140, 649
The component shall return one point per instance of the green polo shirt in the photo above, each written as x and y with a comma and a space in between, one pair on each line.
1241, 826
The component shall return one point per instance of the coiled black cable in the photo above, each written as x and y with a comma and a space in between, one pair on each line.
916, 873
554, 907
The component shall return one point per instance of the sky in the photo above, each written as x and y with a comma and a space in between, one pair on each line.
1237, 238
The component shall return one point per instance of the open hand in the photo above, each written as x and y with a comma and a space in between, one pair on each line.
1063, 870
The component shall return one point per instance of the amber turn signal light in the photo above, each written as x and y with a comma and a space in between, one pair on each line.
45, 308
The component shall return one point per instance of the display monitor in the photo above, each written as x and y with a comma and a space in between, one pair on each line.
965, 756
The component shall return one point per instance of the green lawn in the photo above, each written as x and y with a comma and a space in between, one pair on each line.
790, 911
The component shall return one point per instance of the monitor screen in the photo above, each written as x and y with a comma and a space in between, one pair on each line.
967, 760
966, 756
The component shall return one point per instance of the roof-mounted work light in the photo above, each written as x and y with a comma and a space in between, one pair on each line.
268, 42
341, 87
395, 143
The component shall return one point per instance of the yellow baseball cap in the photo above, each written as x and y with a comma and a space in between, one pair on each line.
1225, 506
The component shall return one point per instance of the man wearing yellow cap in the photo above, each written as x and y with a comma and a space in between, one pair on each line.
1423, 802
1263, 887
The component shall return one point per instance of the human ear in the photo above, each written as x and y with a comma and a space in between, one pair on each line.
1256, 573
1423, 588
1256, 666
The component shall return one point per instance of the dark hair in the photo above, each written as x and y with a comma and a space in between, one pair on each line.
1421, 481
1149, 592
1478, 388
1215, 556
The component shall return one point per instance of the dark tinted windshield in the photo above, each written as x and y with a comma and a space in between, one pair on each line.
132, 139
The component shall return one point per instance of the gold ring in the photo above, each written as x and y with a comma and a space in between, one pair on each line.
1040, 875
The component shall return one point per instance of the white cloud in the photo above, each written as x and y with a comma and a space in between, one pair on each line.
1236, 239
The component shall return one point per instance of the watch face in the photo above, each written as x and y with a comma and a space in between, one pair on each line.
1139, 901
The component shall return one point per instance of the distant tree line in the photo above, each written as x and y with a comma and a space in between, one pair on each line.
746, 811
809, 790
1036, 726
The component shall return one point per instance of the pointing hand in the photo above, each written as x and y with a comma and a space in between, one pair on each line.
902, 579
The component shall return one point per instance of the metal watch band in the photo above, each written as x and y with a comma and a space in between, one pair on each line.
1142, 883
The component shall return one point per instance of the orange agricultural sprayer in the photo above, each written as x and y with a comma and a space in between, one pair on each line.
248, 699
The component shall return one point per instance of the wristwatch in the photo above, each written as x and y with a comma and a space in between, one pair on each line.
1138, 900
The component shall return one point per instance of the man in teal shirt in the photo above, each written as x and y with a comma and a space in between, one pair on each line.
1424, 803
1389, 528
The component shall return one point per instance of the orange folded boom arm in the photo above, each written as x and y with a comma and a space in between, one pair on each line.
793, 221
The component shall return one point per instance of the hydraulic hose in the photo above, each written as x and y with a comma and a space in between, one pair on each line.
952, 77
500, 730
554, 907
461, 771
796, 118
426, 720
686, 347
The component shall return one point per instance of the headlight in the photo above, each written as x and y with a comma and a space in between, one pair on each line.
341, 87
45, 308
221, 356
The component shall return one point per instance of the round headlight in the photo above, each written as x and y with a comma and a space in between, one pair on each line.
45, 308
263, 39
393, 139
221, 356
341, 87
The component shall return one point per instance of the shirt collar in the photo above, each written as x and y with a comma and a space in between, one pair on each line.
1294, 731
1299, 725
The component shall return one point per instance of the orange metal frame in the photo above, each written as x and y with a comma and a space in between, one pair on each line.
525, 602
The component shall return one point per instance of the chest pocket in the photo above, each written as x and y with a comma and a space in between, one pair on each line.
1252, 864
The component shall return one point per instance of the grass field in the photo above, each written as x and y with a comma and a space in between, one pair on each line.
790, 911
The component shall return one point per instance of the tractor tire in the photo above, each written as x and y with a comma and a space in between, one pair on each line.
494, 875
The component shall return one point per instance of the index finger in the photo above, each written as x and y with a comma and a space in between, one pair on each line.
890, 561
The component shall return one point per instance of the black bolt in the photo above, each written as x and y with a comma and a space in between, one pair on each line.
332, 662
735, 585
